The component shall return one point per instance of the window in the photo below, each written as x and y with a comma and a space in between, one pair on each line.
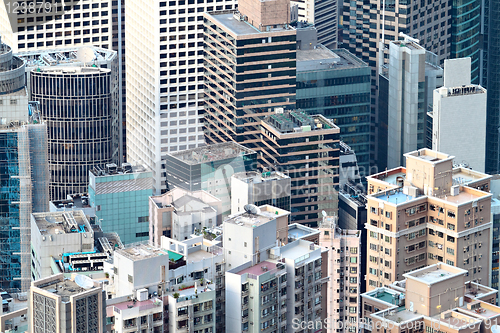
449, 250
451, 226
388, 214
352, 309
354, 260
142, 219
354, 250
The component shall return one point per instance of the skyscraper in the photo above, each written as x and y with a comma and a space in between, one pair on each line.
23, 169
80, 106
324, 15
51, 25
412, 78
164, 59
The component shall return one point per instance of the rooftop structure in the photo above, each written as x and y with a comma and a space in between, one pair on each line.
323, 58
297, 122
65, 57
215, 152
434, 274
62, 223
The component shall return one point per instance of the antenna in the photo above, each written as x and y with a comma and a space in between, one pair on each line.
84, 281
85, 54
251, 209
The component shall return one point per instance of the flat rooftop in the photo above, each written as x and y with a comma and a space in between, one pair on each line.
463, 176
390, 176
429, 155
473, 290
72, 70
66, 222
258, 269
400, 315
199, 255
251, 220
482, 309
240, 28
211, 153
258, 177
385, 295
144, 304
74, 201
395, 196
322, 58
297, 250
299, 122
297, 231
65, 289
408, 44
435, 273
64, 56
145, 251
113, 170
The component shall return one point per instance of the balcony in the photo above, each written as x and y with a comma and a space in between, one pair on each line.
244, 306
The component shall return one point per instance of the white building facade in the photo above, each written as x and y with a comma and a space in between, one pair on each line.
164, 60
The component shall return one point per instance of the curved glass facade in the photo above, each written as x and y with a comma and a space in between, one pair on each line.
77, 106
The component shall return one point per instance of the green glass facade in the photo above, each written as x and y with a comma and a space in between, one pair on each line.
342, 94
121, 204
465, 33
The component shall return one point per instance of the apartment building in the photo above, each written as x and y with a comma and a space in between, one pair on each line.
193, 310
423, 214
140, 314
266, 188
344, 272
436, 297
172, 214
58, 304
458, 106
249, 235
272, 294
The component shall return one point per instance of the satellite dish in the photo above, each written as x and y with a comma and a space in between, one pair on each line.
85, 54
324, 213
495, 329
84, 281
251, 209
50, 219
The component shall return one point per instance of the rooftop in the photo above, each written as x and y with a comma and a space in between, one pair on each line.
322, 58
72, 70
298, 121
62, 222
140, 251
395, 196
257, 177
435, 273
64, 56
250, 220
298, 250
411, 45
390, 176
80, 200
65, 287
144, 305
476, 290
258, 269
480, 309
215, 152
240, 27
112, 169
297, 231
429, 155
464, 176
385, 295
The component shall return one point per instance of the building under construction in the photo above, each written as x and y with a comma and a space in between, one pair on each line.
24, 175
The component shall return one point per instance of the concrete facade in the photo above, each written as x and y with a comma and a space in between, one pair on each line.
460, 107
267, 188
425, 214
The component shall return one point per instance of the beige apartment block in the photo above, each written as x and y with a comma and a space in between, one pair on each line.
344, 271
433, 299
423, 214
